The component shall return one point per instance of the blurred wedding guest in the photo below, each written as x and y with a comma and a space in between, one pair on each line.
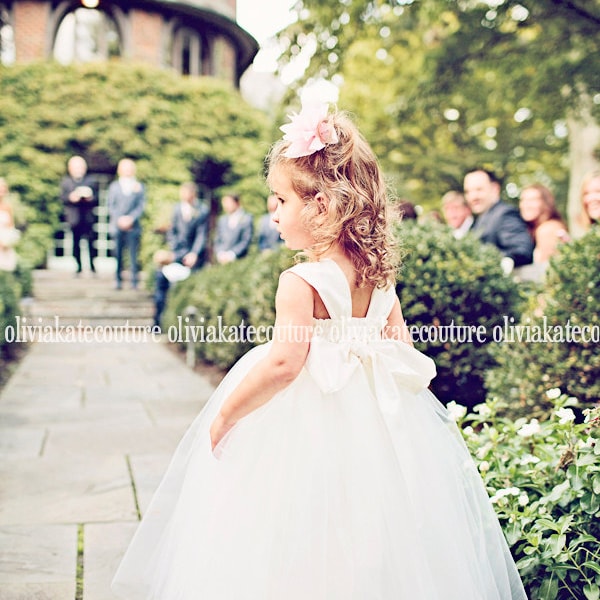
268, 235
126, 200
590, 199
406, 210
79, 198
234, 231
457, 213
546, 226
187, 239
497, 222
9, 235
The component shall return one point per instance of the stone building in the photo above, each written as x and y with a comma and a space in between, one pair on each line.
198, 37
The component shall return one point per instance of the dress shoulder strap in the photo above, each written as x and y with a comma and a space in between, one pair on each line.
330, 283
382, 302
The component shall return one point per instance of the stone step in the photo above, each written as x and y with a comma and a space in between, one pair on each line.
60, 297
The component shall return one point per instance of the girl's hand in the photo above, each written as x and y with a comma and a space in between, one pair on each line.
219, 429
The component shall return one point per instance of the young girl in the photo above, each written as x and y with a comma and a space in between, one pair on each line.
322, 468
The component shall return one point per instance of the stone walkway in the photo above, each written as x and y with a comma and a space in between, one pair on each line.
86, 431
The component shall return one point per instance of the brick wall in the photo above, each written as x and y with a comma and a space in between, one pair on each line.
146, 36
30, 26
224, 59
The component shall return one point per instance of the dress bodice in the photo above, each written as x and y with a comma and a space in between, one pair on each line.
343, 344
331, 284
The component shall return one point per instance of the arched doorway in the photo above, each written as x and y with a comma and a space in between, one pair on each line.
87, 35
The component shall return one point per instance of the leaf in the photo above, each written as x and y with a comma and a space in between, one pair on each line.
593, 566
591, 591
549, 588
556, 543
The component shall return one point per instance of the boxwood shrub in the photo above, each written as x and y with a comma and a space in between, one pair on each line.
13, 287
228, 298
448, 286
570, 299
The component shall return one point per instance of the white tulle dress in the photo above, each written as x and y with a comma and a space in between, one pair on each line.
350, 484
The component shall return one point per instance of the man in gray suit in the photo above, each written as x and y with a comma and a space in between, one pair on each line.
126, 200
497, 222
234, 231
187, 240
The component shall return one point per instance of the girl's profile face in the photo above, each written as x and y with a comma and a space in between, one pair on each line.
288, 214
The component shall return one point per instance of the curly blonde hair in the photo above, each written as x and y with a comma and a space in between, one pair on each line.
348, 174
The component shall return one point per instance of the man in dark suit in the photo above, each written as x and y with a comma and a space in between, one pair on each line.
79, 198
126, 200
187, 238
234, 231
497, 222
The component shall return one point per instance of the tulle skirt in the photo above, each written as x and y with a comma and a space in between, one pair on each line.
321, 497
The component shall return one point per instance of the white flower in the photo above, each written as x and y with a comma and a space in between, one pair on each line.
565, 415
484, 466
456, 411
529, 429
484, 410
482, 451
553, 394
468, 431
529, 459
511, 491
523, 499
589, 443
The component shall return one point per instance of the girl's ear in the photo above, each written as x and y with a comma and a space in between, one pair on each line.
322, 203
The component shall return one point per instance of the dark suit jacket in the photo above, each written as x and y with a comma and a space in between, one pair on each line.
79, 214
234, 239
120, 204
503, 226
189, 236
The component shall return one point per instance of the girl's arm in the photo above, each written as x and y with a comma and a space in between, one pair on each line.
291, 340
396, 326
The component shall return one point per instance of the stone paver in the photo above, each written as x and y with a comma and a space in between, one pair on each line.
86, 432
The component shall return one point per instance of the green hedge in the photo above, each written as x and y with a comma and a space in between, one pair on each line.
571, 297
232, 295
443, 281
457, 285
13, 287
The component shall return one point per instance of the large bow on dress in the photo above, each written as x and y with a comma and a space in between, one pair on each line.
391, 367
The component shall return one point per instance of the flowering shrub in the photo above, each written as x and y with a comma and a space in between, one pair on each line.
544, 481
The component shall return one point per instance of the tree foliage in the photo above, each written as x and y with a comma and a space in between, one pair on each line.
442, 85
171, 126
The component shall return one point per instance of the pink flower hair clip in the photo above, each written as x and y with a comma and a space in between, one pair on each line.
309, 131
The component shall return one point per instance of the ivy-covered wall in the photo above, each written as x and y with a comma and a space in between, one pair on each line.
175, 128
